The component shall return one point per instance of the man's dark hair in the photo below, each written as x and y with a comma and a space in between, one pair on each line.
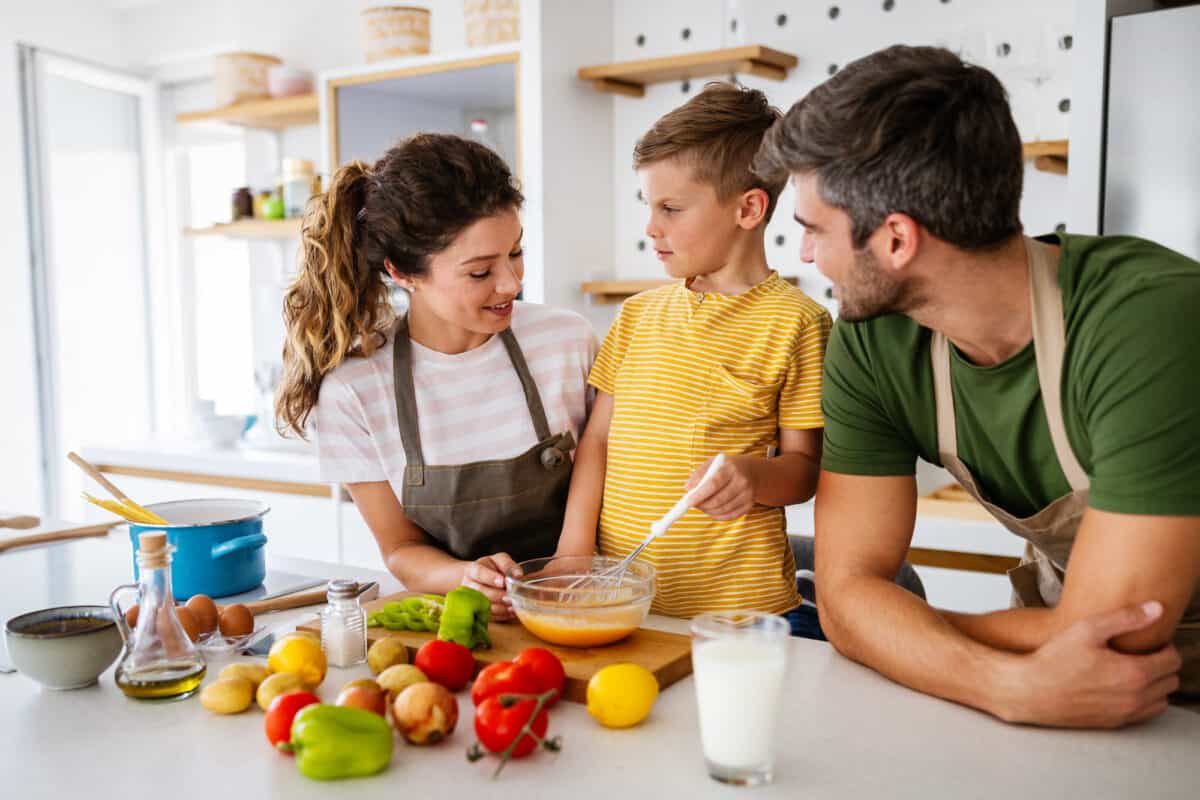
913, 130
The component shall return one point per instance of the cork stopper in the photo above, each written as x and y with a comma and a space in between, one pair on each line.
152, 549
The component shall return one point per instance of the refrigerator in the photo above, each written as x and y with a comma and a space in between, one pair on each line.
1152, 154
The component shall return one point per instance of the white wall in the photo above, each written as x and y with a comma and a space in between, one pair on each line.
84, 30
176, 39
819, 41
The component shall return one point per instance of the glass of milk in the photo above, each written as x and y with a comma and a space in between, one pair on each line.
739, 659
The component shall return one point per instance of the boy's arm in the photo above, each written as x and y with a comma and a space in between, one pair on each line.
587, 482
744, 481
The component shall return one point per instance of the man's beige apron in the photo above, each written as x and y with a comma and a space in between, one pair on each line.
1050, 533
512, 505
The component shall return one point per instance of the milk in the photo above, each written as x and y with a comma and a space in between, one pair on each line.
738, 684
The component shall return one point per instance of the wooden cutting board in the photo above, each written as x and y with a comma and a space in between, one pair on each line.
667, 655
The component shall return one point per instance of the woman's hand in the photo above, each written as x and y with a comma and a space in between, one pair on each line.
487, 575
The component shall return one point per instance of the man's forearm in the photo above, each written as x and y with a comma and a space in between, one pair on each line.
1017, 630
877, 623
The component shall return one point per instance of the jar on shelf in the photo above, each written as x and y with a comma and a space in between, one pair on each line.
297, 182
243, 204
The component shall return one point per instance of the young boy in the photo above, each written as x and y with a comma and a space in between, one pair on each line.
726, 361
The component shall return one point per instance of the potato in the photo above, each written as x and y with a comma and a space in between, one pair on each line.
395, 680
227, 696
250, 670
277, 684
387, 652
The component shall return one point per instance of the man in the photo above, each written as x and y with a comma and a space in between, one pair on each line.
1058, 379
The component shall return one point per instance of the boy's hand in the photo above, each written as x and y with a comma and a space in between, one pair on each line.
728, 494
487, 575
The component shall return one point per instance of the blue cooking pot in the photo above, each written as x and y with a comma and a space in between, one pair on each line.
218, 545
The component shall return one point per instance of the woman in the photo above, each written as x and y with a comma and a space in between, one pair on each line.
452, 427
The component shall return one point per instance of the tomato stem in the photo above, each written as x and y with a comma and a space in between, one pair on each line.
507, 701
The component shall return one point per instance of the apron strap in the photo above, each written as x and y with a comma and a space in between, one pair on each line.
1050, 344
943, 397
406, 404
406, 398
533, 399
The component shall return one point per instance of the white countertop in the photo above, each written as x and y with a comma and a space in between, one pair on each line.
297, 465
846, 732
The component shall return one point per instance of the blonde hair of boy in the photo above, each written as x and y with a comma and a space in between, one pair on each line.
717, 133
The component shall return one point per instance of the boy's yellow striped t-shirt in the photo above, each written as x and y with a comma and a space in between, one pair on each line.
692, 375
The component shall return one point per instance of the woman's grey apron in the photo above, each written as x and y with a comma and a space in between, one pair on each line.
512, 505
1050, 533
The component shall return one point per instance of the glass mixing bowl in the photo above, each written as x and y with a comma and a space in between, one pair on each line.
576, 601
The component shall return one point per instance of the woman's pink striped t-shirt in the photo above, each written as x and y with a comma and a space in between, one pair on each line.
470, 406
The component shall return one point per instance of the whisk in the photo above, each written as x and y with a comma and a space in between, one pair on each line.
612, 576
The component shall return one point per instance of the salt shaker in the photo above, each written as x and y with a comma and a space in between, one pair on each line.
344, 625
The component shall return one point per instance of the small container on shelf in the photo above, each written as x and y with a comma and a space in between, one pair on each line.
394, 32
239, 77
243, 204
284, 80
298, 177
492, 21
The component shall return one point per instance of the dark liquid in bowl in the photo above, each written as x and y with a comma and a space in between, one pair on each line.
67, 625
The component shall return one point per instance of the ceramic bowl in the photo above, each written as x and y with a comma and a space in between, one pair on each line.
567, 600
63, 648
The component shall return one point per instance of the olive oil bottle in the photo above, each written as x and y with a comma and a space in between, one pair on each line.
160, 661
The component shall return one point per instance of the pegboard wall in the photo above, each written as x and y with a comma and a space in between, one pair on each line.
1027, 43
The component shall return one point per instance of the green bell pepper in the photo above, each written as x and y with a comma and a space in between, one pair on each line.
422, 613
465, 618
332, 742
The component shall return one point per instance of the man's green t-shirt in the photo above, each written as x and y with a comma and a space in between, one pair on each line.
1131, 390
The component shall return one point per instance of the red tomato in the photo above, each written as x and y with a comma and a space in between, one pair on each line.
497, 726
283, 709
546, 667
447, 663
503, 677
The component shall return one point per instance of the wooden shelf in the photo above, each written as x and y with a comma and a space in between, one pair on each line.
1048, 156
276, 113
609, 292
630, 78
251, 229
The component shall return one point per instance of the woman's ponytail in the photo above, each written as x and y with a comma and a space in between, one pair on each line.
338, 303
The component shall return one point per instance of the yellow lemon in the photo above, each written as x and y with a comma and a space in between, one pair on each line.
301, 655
621, 695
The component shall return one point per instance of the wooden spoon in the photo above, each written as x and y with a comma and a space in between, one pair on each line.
21, 522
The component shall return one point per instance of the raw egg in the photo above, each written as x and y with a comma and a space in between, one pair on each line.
205, 611
236, 620
188, 620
